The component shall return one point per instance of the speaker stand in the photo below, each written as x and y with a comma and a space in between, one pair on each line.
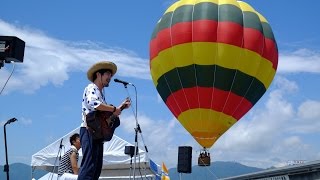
130, 167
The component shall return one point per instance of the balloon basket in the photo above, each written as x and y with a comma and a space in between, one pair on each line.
204, 159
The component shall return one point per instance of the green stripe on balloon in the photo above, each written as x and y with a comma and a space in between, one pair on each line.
204, 76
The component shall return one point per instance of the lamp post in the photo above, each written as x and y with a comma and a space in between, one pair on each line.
6, 166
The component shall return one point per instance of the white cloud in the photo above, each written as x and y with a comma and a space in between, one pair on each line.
302, 60
25, 121
309, 110
308, 117
2, 123
285, 86
49, 61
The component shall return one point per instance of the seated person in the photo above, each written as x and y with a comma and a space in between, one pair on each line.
68, 167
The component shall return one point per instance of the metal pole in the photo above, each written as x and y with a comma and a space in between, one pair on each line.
6, 166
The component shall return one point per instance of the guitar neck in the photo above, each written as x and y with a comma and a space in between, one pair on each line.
123, 107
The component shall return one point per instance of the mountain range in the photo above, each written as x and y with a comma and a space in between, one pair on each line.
217, 170
20, 171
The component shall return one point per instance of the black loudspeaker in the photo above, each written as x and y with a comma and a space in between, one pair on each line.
11, 49
129, 150
184, 159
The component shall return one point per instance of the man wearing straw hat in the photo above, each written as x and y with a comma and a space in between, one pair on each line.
100, 75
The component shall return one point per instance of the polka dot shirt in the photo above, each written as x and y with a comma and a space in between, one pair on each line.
91, 99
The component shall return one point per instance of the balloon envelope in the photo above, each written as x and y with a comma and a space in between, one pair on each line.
211, 61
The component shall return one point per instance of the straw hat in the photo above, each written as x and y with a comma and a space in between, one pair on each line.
101, 65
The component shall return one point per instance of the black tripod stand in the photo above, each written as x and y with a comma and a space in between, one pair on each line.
6, 166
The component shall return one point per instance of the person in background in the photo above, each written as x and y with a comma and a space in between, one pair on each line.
68, 166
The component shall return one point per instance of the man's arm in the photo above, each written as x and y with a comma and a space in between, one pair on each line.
105, 107
116, 110
74, 162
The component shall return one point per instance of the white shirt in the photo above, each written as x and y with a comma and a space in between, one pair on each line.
91, 99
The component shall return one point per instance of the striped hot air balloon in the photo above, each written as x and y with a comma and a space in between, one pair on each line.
211, 61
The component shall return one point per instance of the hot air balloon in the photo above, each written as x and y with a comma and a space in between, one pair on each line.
211, 61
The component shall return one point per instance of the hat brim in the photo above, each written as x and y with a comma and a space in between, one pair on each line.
101, 65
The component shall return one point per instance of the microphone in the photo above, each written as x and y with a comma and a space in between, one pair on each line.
123, 82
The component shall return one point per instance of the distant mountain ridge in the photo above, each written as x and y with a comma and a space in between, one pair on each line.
20, 171
218, 169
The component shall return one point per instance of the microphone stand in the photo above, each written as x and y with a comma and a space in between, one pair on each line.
55, 161
137, 128
6, 166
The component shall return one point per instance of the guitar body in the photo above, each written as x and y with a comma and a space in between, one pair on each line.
109, 123
102, 124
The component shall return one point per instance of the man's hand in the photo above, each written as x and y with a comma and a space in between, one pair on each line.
124, 105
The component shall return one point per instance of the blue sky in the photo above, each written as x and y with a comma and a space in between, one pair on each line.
63, 38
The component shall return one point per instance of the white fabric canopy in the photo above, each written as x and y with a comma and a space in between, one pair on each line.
116, 163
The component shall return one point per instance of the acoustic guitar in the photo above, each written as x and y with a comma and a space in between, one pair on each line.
102, 124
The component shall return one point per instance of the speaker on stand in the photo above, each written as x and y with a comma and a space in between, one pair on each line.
11, 49
129, 150
184, 159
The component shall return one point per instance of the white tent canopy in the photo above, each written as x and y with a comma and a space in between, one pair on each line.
116, 164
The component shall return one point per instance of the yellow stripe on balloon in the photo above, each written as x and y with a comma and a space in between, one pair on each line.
262, 19
180, 3
246, 7
233, 2
161, 65
208, 53
205, 125
210, 1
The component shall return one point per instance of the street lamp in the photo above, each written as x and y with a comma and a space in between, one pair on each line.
6, 166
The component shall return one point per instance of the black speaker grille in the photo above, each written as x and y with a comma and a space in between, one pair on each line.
184, 159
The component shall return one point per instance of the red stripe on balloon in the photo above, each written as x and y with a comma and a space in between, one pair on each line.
208, 98
205, 30
213, 31
161, 42
270, 52
230, 33
252, 38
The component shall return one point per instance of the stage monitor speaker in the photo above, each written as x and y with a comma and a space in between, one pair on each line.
129, 150
184, 159
11, 49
